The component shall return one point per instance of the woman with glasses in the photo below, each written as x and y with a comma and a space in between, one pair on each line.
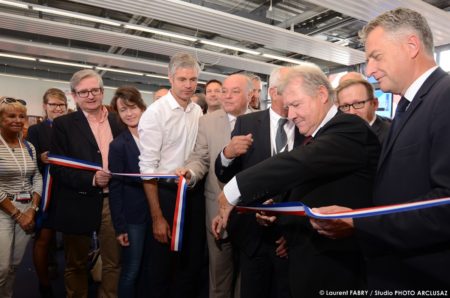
20, 190
54, 105
127, 201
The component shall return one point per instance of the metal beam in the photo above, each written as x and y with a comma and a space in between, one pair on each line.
229, 25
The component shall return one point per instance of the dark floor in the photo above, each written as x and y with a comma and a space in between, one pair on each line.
26, 272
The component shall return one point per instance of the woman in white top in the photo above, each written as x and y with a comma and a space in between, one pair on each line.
20, 190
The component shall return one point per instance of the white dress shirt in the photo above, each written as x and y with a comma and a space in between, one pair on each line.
167, 134
231, 189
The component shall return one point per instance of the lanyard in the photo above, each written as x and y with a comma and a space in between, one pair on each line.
22, 174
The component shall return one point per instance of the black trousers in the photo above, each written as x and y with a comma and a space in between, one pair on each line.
177, 274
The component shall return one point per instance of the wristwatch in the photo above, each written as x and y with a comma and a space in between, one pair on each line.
35, 208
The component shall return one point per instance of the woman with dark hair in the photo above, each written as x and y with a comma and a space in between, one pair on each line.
20, 191
54, 105
127, 201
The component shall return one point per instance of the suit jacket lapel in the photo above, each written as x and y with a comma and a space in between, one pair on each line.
264, 132
83, 125
415, 104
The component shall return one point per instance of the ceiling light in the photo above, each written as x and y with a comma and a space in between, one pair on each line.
17, 57
119, 71
221, 45
15, 4
65, 63
160, 32
76, 15
156, 76
285, 59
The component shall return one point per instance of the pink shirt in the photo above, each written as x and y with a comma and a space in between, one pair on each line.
102, 133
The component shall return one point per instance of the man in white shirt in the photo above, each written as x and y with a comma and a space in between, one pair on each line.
338, 163
214, 133
167, 132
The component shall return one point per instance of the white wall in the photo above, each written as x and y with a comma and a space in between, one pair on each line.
31, 90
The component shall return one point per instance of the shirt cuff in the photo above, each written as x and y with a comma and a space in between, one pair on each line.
232, 192
225, 161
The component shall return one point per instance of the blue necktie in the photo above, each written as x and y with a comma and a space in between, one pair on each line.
399, 113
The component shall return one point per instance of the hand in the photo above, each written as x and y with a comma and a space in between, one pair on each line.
123, 239
237, 146
102, 178
185, 173
264, 219
333, 228
161, 229
219, 223
26, 221
44, 157
282, 248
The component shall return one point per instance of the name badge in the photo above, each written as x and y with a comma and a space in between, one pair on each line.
23, 196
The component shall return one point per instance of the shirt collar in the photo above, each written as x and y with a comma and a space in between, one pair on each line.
330, 114
173, 103
104, 115
415, 86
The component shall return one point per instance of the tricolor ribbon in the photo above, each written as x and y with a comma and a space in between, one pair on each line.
178, 218
300, 209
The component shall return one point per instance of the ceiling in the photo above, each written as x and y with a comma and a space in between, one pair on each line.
227, 36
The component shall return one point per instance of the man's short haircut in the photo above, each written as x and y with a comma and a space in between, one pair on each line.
130, 96
347, 83
83, 74
312, 79
212, 81
182, 60
274, 79
56, 93
402, 21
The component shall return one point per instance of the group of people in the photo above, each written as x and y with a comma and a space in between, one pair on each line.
324, 147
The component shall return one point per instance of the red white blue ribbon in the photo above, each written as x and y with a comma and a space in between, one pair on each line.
300, 209
47, 188
178, 218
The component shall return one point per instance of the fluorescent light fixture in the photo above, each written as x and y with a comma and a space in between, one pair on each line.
17, 57
15, 4
75, 15
160, 32
120, 71
65, 63
285, 59
156, 76
221, 45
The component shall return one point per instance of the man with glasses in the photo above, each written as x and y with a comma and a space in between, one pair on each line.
82, 196
356, 96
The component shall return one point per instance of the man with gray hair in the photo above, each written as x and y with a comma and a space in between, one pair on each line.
267, 133
408, 250
338, 162
255, 102
82, 196
167, 133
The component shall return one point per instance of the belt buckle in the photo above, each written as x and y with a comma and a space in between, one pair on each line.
23, 197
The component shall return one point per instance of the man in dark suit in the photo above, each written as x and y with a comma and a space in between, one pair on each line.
257, 245
409, 250
356, 96
338, 164
81, 208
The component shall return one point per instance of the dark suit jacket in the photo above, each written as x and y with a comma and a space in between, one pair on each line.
127, 199
381, 127
412, 249
243, 229
78, 202
337, 167
40, 136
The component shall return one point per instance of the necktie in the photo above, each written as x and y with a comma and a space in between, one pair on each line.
307, 140
280, 137
401, 109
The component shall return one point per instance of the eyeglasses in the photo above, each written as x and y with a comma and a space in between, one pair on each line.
57, 105
356, 105
13, 100
93, 91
